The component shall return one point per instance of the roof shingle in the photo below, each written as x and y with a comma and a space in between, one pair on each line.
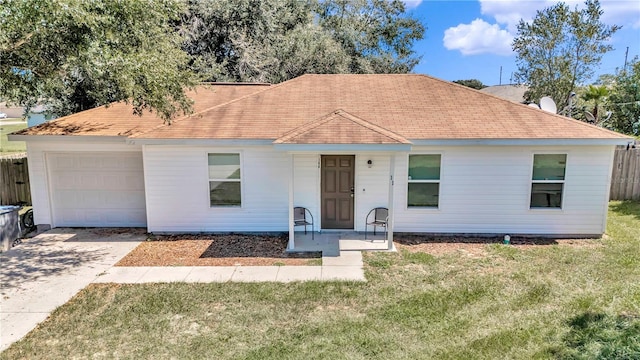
374, 109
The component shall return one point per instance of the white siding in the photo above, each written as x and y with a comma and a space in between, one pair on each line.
483, 189
38, 170
306, 189
371, 185
177, 185
486, 190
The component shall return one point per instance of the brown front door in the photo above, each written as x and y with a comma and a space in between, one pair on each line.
337, 191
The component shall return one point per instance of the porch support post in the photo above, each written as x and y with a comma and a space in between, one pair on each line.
392, 162
291, 245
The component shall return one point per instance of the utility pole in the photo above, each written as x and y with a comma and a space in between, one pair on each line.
626, 53
501, 73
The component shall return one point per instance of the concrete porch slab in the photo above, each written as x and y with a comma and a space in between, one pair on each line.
350, 244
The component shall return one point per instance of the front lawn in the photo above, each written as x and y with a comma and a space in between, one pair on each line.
566, 302
7, 146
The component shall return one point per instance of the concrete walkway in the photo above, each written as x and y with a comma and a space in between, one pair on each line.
346, 266
46, 271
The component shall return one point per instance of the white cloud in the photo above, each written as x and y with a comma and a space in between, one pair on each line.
477, 38
509, 12
411, 4
621, 12
481, 36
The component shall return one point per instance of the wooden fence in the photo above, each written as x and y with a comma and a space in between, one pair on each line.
625, 180
14, 180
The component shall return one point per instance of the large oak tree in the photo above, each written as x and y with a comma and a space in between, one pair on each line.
560, 49
73, 55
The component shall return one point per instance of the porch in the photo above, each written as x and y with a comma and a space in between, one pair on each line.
332, 242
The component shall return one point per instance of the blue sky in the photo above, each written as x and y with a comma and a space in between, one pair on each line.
471, 39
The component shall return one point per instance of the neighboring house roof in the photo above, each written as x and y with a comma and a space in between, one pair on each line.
513, 93
319, 108
118, 119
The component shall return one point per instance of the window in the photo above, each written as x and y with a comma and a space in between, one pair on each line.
424, 181
224, 180
548, 180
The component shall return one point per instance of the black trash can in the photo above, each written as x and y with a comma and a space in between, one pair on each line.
9, 226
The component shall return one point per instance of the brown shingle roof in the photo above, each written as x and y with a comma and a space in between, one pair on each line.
340, 127
411, 106
118, 119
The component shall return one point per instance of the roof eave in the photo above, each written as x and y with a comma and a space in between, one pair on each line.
68, 138
522, 142
200, 142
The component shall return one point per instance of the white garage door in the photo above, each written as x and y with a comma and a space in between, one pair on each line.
97, 189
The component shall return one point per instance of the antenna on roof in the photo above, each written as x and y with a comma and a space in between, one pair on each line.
534, 105
547, 104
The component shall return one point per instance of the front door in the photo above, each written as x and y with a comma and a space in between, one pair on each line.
337, 191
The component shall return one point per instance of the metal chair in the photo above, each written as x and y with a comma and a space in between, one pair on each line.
300, 218
380, 218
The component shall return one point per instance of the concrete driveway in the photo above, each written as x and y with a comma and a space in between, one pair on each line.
46, 271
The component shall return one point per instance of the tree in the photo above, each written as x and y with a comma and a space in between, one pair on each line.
74, 55
257, 40
624, 100
559, 50
376, 34
472, 83
596, 94
276, 40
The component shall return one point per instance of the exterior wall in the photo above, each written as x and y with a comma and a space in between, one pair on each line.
177, 186
483, 189
371, 184
486, 189
38, 173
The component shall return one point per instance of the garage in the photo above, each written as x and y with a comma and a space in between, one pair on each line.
97, 189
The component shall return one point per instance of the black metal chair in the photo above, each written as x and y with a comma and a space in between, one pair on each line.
380, 218
302, 217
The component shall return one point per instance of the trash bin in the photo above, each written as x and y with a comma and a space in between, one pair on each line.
9, 228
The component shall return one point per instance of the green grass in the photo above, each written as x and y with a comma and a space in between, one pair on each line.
7, 146
551, 302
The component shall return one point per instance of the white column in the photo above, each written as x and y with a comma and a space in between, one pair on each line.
392, 166
291, 245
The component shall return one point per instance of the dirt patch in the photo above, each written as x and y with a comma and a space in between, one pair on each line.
476, 246
216, 250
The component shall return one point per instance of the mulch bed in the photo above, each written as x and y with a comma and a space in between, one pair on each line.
216, 250
476, 246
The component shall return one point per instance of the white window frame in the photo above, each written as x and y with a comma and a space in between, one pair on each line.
563, 182
239, 153
410, 181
